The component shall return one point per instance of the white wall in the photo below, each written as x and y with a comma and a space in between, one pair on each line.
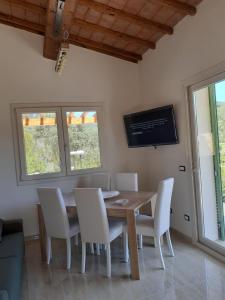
25, 76
197, 44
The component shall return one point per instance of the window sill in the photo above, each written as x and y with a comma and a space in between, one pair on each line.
58, 178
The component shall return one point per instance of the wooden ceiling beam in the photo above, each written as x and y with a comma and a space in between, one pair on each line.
22, 24
52, 42
182, 7
115, 34
78, 41
106, 9
103, 48
27, 5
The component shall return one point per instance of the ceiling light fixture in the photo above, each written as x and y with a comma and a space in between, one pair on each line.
61, 59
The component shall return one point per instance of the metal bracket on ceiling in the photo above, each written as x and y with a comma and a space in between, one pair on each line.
58, 17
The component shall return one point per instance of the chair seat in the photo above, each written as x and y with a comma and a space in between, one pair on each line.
145, 225
74, 226
115, 228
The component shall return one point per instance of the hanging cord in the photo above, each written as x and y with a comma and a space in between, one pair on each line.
65, 35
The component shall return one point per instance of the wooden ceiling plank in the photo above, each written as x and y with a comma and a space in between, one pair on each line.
115, 34
106, 9
103, 48
179, 6
27, 5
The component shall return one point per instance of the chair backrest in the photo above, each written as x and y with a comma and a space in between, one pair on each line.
162, 208
100, 180
126, 182
54, 212
91, 210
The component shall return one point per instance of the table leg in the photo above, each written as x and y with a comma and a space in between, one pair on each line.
42, 233
132, 237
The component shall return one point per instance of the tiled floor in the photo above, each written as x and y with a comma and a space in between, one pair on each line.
191, 275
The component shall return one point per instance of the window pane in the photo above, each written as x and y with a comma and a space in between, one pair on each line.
83, 140
41, 143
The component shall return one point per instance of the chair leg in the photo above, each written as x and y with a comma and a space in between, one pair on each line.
158, 243
68, 247
92, 248
48, 249
169, 243
140, 241
83, 257
98, 249
77, 240
108, 255
125, 247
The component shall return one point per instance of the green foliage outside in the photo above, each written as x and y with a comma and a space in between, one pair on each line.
84, 137
221, 131
42, 150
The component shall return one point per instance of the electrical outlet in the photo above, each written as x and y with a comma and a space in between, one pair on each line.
187, 218
182, 168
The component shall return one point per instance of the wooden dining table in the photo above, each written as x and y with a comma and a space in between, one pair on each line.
127, 211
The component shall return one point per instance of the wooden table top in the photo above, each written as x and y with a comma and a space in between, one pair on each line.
135, 200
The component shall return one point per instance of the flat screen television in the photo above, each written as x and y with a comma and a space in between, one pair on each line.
153, 127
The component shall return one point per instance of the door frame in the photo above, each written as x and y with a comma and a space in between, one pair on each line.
193, 144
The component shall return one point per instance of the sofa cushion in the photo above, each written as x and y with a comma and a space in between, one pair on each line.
11, 276
4, 295
12, 226
12, 245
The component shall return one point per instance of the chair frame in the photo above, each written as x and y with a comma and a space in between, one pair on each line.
158, 233
106, 241
56, 192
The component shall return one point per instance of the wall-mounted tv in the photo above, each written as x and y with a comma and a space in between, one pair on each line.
153, 127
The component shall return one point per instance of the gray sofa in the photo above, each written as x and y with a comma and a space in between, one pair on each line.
11, 259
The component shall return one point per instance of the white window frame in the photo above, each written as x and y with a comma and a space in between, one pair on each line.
23, 173
60, 109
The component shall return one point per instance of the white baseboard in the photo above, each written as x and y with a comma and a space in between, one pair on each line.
181, 235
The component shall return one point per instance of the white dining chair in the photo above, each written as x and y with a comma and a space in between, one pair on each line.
97, 180
56, 220
100, 180
158, 225
94, 224
126, 182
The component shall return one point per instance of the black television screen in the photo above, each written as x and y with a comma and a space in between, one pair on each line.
151, 128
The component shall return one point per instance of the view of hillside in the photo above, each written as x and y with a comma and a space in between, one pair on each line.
220, 100
41, 144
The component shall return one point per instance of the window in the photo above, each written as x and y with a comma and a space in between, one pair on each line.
82, 139
57, 141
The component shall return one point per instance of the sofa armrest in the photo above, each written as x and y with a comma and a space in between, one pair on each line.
12, 226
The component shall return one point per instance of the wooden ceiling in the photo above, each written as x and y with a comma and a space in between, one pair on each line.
122, 28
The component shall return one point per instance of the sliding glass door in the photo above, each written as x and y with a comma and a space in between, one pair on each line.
208, 137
